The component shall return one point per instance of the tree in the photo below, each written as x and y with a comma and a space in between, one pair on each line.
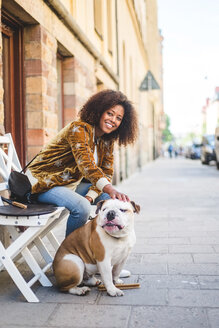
167, 134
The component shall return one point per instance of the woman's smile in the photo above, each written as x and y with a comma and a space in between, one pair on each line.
109, 125
110, 120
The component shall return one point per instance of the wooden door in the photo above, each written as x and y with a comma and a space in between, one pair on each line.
12, 57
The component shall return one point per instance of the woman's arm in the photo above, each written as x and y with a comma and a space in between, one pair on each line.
80, 140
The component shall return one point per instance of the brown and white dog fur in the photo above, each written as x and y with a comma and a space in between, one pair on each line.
102, 245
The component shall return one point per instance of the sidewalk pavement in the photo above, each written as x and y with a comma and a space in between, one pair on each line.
176, 261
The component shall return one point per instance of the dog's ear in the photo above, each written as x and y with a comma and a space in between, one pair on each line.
136, 207
99, 205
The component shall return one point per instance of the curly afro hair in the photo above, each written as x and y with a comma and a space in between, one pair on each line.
97, 104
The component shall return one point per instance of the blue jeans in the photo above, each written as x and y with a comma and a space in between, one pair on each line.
78, 206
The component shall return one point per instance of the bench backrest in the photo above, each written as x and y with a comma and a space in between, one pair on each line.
8, 160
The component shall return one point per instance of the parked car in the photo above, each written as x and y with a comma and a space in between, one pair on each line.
208, 149
193, 151
217, 146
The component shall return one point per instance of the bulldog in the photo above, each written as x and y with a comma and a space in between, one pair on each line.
102, 245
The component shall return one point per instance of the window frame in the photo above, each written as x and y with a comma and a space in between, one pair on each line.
98, 22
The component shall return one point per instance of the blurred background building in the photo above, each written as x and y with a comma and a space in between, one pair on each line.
210, 113
54, 54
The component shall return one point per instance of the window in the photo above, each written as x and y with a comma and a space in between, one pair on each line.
98, 17
109, 25
12, 58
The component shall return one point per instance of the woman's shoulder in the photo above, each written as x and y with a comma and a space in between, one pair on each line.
80, 123
77, 126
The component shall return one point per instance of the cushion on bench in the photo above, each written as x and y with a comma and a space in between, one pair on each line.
31, 210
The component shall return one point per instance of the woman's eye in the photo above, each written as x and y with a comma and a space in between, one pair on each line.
110, 114
122, 210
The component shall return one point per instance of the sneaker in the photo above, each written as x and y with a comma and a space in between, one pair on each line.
124, 274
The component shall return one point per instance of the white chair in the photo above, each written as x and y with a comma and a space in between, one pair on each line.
37, 227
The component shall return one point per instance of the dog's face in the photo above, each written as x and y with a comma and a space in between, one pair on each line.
116, 217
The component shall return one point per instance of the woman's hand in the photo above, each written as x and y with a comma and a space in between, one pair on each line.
114, 194
89, 199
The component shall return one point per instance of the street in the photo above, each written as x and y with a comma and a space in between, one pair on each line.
175, 260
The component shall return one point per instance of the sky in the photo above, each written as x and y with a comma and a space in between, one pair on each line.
190, 59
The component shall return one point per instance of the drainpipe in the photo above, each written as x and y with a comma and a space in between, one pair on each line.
69, 21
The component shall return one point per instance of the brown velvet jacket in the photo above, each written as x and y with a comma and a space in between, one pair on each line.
70, 156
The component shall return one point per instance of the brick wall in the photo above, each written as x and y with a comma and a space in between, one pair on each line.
40, 72
41, 87
79, 84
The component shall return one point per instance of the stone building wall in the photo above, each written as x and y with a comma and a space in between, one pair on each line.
78, 84
40, 86
87, 65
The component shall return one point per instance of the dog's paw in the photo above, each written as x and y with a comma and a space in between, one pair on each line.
115, 292
79, 290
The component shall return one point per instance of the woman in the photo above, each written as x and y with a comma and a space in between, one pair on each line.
84, 150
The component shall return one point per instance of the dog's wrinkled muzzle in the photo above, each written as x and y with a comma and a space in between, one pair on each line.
112, 222
111, 215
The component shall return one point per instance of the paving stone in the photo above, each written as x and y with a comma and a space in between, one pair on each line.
169, 281
134, 258
216, 247
190, 268
165, 241
205, 240
158, 249
25, 326
25, 314
145, 230
167, 317
189, 234
206, 258
213, 315
141, 296
190, 249
208, 282
214, 233
153, 233
147, 268
194, 298
84, 316
167, 258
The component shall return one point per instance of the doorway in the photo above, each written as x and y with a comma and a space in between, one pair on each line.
12, 58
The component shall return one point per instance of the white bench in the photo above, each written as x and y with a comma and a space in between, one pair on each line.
37, 227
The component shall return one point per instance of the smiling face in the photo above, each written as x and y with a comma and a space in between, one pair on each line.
116, 217
110, 120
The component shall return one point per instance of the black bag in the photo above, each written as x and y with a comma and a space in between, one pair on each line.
19, 186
